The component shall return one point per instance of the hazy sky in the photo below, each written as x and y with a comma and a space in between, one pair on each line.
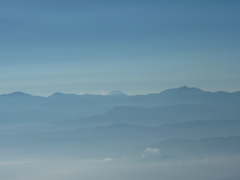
137, 46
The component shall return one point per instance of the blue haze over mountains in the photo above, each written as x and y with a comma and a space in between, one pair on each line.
52, 48
178, 128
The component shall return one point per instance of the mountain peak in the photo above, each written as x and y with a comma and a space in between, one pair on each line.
116, 93
17, 94
57, 94
183, 89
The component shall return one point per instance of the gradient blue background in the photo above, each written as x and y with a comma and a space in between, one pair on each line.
139, 47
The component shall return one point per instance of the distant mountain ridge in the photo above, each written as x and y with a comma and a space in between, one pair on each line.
118, 93
174, 124
183, 89
16, 94
60, 106
159, 115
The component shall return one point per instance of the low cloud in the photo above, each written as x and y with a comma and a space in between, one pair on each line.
103, 93
151, 152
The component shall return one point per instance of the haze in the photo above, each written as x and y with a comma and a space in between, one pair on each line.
134, 90
139, 47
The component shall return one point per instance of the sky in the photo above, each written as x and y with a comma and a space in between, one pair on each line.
138, 47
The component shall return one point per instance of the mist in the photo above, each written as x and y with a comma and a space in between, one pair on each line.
209, 168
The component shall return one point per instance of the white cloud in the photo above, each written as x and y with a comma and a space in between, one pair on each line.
103, 93
152, 151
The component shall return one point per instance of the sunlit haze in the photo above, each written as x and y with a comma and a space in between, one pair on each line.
138, 47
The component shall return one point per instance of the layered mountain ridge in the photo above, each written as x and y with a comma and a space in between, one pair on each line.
142, 127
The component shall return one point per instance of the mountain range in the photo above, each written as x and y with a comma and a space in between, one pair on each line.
21, 107
170, 125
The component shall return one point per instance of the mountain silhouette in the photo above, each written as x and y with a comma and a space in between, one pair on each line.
172, 105
116, 93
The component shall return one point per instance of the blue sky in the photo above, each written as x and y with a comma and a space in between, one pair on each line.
139, 47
